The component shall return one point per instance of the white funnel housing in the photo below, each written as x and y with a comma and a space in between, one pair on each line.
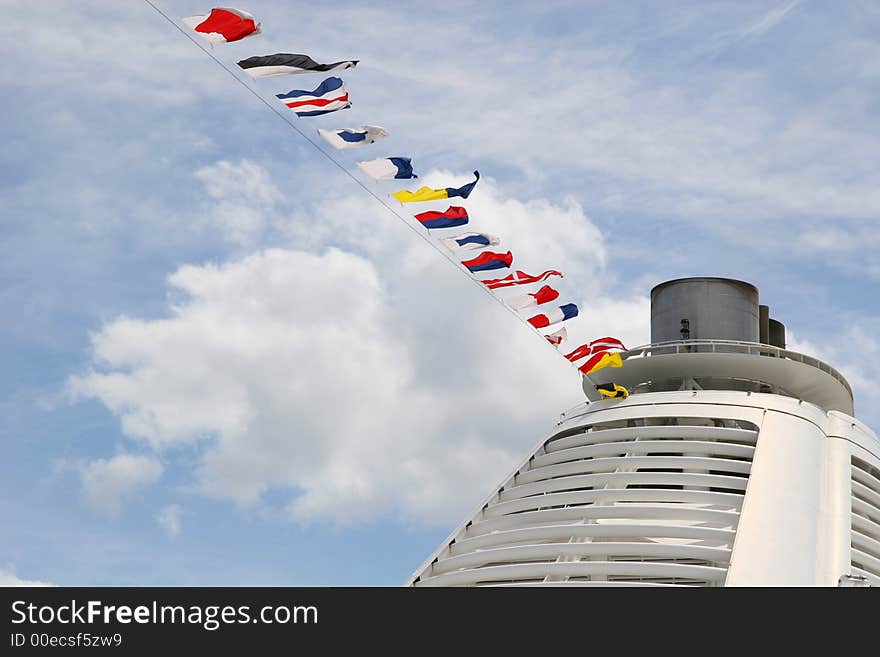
733, 462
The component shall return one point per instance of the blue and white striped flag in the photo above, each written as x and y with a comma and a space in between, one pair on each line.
328, 97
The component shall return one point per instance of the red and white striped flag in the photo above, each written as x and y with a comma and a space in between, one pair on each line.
602, 352
519, 278
597, 346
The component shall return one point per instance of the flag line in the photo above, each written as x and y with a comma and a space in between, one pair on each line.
284, 116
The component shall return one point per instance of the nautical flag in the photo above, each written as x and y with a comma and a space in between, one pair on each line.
606, 343
467, 241
581, 352
555, 316
558, 337
602, 359
348, 138
612, 390
266, 66
450, 218
328, 97
596, 346
544, 295
429, 194
223, 24
488, 260
388, 167
519, 278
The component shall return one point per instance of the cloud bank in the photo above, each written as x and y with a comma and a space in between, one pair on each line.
365, 376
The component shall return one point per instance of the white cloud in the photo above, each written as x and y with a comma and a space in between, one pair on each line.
366, 382
9, 578
170, 518
754, 30
769, 20
102, 34
109, 482
243, 194
855, 353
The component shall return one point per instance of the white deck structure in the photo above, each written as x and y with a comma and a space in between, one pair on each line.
732, 463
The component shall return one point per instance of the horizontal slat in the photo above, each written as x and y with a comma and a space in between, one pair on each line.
865, 561
865, 526
873, 580
865, 478
623, 479
588, 454
702, 447
634, 433
551, 551
866, 509
581, 582
631, 462
719, 537
576, 569
661, 513
867, 494
866, 544
608, 496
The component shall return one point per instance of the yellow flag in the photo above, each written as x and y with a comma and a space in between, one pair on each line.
423, 194
612, 390
605, 359
428, 194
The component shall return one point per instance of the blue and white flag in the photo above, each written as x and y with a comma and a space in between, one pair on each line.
468, 241
328, 97
388, 167
353, 138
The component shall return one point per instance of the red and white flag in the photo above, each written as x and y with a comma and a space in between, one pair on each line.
557, 337
600, 345
519, 278
544, 295
223, 24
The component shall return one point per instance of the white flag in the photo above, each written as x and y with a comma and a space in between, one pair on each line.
353, 138
388, 167
469, 241
521, 301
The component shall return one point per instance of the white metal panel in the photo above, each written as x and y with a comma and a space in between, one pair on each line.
834, 513
778, 533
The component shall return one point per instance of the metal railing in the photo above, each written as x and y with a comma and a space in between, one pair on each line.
732, 347
716, 347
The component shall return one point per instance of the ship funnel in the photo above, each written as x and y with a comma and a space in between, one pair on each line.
705, 309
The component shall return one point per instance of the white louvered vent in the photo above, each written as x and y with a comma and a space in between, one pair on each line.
651, 501
865, 535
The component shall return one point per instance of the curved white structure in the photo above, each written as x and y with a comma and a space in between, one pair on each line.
682, 485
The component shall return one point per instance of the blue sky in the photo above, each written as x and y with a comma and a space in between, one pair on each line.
225, 363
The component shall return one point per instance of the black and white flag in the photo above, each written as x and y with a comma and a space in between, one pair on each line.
285, 63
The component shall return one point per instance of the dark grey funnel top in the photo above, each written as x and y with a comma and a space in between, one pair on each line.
705, 309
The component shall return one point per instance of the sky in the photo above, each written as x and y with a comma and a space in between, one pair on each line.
226, 363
